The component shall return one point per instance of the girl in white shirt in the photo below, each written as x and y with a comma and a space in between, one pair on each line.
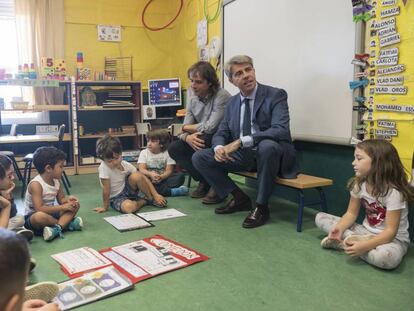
381, 187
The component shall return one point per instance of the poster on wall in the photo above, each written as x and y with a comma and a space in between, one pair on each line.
149, 112
109, 33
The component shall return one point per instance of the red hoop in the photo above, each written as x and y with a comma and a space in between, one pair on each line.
165, 26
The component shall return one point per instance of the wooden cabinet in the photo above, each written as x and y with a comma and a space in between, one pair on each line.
102, 107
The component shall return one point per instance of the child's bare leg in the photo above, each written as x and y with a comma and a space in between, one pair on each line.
65, 219
129, 206
39, 220
138, 181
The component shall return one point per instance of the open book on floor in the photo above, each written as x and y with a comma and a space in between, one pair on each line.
127, 222
91, 287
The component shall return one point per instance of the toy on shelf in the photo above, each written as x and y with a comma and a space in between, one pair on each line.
52, 68
82, 73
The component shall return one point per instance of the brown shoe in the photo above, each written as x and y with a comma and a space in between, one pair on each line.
232, 207
212, 197
201, 191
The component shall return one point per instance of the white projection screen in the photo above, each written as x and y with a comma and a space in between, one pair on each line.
304, 47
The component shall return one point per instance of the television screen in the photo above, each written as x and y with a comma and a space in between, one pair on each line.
164, 92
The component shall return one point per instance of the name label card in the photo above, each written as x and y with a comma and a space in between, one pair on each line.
390, 80
387, 61
389, 70
390, 40
388, 53
387, 124
384, 23
400, 90
390, 12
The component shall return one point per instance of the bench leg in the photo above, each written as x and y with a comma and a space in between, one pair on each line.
300, 210
323, 199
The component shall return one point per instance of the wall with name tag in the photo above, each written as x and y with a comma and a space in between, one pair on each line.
390, 105
303, 47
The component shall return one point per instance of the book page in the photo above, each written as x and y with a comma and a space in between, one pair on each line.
161, 214
127, 222
80, 260
91, 287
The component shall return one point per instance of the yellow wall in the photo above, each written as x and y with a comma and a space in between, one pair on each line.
156, 54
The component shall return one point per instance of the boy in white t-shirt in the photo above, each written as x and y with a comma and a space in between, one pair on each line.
155, 163
124, 189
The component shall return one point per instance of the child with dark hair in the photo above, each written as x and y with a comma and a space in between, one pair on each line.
155, 163
14, 266
42, 215
9, 218
123, 188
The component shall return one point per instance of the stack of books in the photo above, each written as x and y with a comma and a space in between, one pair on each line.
119, 98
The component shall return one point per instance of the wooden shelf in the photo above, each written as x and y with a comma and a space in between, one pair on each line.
89, 136
40, 108
103, 109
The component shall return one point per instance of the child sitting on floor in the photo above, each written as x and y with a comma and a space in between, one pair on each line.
43, 216
14, 266
9, 218
381, 188
155, 163
123, 188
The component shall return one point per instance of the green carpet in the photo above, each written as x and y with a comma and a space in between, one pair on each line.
269, 268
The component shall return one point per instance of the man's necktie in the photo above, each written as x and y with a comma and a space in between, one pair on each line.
247, 128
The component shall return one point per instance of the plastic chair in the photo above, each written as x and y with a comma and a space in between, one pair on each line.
142, 129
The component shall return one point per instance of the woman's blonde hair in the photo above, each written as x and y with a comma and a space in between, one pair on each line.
387, 170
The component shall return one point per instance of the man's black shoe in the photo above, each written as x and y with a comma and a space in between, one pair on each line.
257, 217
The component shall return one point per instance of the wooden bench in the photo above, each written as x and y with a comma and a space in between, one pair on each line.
301, 182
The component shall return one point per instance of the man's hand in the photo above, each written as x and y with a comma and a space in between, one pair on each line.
195, 141
223, 154
100, 209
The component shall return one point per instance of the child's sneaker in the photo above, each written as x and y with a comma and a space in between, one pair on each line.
356, 237
332, 243
45, 291
180, 191
27, 234
76, 224
49, 233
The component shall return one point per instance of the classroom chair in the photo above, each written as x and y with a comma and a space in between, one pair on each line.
28, 159
142, 130
11, 155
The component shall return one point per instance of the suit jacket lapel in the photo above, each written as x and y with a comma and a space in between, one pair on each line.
260, 96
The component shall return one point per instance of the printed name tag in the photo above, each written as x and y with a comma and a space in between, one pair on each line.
390, 80
390, 70
387, 61
391, 90
388, 53
387, 124
387, 31
388, 2
394, 108
390, 40
390, 12
386, 132
384, 23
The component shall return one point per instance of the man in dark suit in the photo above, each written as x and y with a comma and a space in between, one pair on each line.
254, 135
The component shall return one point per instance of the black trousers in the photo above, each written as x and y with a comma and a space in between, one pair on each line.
174, 181
182, 153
